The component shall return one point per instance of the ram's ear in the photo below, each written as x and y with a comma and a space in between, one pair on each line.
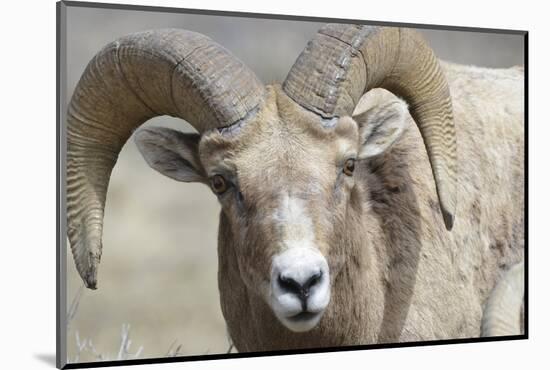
382, 119
172, 153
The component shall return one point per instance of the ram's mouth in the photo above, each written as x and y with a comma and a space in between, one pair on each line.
304, 316
303, 321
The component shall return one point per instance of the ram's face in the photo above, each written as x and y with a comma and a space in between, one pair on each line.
287, 184
284, 183
284, 180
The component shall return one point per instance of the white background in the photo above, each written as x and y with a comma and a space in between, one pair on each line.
27, 259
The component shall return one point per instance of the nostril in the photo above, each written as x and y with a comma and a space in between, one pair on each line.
289, 284
313, 280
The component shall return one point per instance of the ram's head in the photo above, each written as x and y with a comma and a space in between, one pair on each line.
281, 159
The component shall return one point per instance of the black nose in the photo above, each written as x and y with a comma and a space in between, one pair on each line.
301, 290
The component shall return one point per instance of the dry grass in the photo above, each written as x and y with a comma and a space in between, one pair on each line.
86, 347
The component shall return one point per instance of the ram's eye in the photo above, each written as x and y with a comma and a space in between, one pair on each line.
349, 166
218, 184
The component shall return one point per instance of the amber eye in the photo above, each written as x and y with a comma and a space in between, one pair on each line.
349, 166
218, 183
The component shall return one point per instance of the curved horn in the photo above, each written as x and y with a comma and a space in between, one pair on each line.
342, 62
140, 76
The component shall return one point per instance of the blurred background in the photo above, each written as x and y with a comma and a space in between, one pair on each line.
159, 267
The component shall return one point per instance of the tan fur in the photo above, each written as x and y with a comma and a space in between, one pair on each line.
397, 274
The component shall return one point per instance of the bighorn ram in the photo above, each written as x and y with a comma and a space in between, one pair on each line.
334, 230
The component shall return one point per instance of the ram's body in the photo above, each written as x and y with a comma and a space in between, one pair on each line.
407, 277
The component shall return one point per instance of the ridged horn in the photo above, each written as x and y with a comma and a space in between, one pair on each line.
342, 62
140, 76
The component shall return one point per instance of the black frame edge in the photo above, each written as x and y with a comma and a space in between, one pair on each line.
222, 356
526, 184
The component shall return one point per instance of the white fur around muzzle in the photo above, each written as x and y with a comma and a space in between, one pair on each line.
300, 264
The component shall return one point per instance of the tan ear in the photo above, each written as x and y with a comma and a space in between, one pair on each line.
382, 119
172, 153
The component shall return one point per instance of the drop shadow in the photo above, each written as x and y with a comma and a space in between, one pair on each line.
47, 358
